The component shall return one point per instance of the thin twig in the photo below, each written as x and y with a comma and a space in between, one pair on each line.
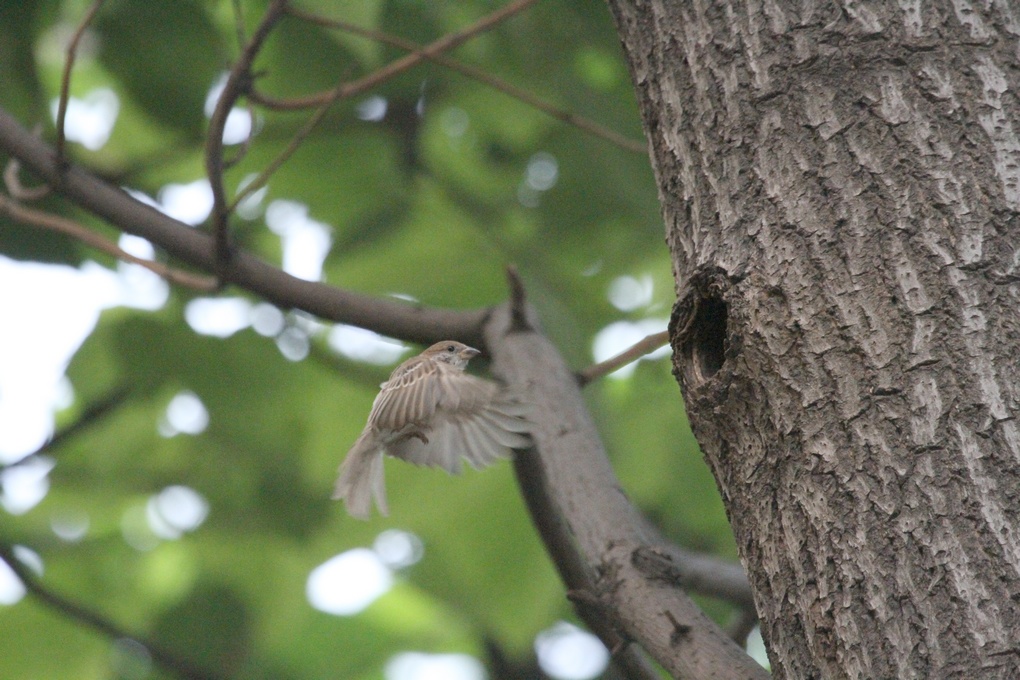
164, 658
239, 22
246, 143
478, 74
325, 100
299, 137
238, 83
46, 220
65, 78
18, 190
430, 51
90, 415
638, 350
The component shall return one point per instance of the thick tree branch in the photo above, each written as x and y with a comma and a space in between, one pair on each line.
699, 573
590, 526
578, 577
164, 658
387, 316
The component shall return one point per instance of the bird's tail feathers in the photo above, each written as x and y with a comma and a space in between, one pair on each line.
361, 478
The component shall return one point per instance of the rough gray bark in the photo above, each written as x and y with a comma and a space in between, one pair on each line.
840, 186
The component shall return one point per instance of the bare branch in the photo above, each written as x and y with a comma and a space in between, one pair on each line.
91, 414
16, 189
589, 526
45, 220
72, 610
387, 316
633, 353
518, 301
65, 78
578, 577
325, 100
238, 83
444, 44
478, 74
698, 573
296, 141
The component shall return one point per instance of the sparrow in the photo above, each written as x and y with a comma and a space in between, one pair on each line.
430, 412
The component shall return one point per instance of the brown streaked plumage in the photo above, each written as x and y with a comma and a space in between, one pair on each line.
430, 412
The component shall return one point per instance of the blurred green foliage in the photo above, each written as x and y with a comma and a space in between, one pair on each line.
429, 202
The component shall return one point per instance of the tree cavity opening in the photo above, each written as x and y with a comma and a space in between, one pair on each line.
708, 339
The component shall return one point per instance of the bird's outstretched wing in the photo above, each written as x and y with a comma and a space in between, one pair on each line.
470, 418
408, 398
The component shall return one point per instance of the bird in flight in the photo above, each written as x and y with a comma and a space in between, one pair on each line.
430, 412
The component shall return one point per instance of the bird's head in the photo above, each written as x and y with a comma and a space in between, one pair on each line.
452, 352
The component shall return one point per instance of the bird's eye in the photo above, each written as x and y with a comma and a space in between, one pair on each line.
451, 348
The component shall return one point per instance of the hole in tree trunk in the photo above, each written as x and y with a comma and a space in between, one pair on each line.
708, 341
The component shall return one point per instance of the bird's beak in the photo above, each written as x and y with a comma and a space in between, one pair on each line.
469, 353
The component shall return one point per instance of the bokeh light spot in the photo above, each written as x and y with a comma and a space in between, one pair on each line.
267, 320
542, 172
89, 120
398, 549
568, 653
293, 343
185, 414
130, 660
238, 126
364, 345
135, 528
305, 241
176, 510
372, 109
218, 317
70, 526
628, 293
11, 587
419, 666
346, 584
189, 203
454, 121
23, 486
756, 647
29, 558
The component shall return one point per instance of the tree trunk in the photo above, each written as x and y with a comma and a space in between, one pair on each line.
840, 186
